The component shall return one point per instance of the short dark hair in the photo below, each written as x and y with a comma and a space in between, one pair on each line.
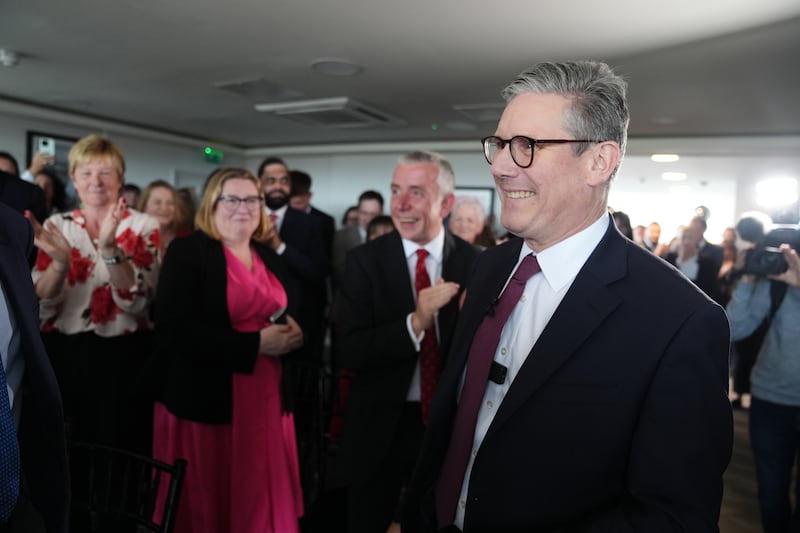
371, 195
301, 183
132, 187
6, 155
269, 161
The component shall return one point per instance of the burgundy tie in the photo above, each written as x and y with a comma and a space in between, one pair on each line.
481, 355
430, 360
273, 218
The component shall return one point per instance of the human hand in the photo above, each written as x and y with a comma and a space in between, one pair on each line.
39, 161
429, 301
107, 237
792, 274
273, 240
50, 240
280, 339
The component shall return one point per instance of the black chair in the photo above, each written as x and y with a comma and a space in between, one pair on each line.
116, 490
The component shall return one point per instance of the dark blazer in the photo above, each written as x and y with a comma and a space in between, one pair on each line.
41, 430
20, 195
707, 271
308, 265
328, 226
375, 344
618, 420
196, 343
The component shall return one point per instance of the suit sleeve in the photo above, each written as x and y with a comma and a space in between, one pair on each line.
372, 337
187, 318
683, 439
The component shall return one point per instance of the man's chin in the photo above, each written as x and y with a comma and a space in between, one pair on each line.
276, 203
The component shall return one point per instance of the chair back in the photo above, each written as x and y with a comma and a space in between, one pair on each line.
117, 490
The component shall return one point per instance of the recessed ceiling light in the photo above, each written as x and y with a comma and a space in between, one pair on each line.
673, 176
331, 66
664, 158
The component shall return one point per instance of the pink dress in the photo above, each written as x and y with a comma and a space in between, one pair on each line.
242, 477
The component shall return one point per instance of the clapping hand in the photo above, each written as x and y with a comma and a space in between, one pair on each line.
50, 240
429, 301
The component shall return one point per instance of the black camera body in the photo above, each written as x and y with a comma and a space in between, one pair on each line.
766, 258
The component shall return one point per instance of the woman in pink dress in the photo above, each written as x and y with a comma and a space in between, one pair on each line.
219, 291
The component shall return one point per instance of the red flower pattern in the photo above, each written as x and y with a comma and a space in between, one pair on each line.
102, 308
134, 246
81, 268
43, 260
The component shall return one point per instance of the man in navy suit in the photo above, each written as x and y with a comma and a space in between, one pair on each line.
390, 327
43, 502
591, 419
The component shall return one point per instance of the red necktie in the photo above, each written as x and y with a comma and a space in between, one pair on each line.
430, 360
273, 218
481, 355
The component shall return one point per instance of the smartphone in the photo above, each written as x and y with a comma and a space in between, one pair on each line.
279, 316
46, 145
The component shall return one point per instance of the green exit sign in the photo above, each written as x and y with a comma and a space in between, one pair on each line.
213, 156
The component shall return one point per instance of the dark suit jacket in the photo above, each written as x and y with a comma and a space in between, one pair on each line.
375, 344
41, 430
196, 345
309, 266
707, 271
618, 420
328, 226
20, 195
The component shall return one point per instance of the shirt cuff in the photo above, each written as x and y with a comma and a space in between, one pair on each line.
416, 340
281, 249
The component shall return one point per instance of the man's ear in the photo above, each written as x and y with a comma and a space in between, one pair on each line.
447, 204
605, 157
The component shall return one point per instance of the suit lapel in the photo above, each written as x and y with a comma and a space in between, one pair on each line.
584, 308
394, 265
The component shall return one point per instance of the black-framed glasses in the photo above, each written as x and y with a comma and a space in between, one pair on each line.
231, 203
521, 147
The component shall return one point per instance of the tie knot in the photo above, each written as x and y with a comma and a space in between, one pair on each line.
526, 269
422, 253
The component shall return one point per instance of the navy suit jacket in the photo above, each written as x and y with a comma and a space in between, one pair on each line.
375, 344
41, 429
618, 420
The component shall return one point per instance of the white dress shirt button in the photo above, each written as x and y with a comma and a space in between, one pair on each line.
523, 298
489, 404
462, 503
503, 351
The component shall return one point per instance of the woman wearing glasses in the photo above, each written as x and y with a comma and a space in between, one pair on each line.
220, 294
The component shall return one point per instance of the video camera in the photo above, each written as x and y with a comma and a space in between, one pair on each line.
766, 258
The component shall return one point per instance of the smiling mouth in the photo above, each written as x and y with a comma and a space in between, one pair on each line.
406, 220
519, 194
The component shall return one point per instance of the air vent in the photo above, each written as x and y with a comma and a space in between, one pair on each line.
339, 112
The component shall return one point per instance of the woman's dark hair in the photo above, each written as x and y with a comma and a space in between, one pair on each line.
59, 189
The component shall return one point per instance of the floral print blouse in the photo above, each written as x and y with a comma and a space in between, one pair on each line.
88, 301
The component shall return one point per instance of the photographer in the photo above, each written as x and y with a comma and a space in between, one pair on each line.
775, 384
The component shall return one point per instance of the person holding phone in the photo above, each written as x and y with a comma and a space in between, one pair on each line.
219, 336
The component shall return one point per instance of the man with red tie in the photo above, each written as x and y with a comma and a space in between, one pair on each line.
400, 303
561, 408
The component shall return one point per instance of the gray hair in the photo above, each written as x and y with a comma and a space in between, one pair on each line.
446, 178
599, 109
470, 201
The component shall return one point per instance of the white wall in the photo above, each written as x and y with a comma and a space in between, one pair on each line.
724, 183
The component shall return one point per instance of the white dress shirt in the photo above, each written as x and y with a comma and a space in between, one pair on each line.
433, 264
541, 297
279, 213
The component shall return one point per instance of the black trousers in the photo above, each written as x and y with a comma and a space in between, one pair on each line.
373, 504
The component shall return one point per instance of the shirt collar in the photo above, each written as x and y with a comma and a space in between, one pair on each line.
561, 262
280, 212
435, 247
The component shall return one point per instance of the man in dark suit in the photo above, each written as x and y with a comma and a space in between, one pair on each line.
400, 303
711, 253
575, 413
43, 501
298, 240
300, 199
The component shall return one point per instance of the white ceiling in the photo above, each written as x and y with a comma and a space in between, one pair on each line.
714, 80
696, 69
